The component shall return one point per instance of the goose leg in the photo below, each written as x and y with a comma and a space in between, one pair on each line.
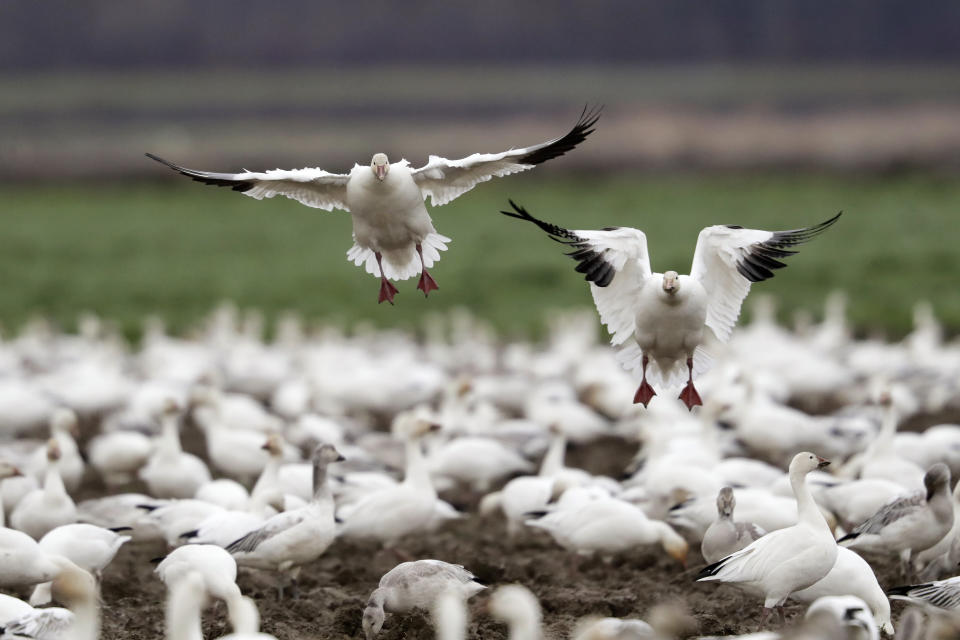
763, 618
689, 394
645, 392
427, 283
387, 290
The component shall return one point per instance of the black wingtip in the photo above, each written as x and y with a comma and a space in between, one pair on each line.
711, 569
157, 560
850, 536
190, 534
906, 589
120, 529
585, 125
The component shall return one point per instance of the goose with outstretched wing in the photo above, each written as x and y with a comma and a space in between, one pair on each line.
660, 320
393, 234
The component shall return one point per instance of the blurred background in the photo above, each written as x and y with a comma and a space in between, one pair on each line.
767, 113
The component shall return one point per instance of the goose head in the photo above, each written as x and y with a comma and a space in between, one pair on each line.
671, 282
380, 165
64, 421
805, 462
410, 426
53, 450
937, 479
726, 502
372, 621
168, 408
325, 454
273, 445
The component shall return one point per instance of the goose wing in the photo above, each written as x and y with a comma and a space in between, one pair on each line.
313, 187
444, 180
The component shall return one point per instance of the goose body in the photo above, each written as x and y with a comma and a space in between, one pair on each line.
44, 509
415, 585
786, 560
394, 237
662, 322
726, 536
88, 546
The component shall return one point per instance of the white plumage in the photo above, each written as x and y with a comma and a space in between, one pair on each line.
393, 234
658, 319
786, 560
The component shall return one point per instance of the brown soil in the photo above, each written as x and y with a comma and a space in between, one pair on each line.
334, 589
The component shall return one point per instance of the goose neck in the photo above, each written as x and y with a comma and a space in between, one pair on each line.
417, 473
321, 490
807, 510
170, 436
553, 460
53, 482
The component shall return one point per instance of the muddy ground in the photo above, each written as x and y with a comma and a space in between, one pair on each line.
334, 589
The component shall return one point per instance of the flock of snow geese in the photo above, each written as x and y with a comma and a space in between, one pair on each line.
295, 456
294, 460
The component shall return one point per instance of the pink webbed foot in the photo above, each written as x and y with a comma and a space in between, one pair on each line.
644, 393
387, 291
427, 283
690, 396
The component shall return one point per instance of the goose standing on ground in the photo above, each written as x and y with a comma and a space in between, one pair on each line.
88, 546
63, 429
786, 560
724, 536
666, 314
170, 472
288, 540
415, 585
48, 508
908, 525
393, 234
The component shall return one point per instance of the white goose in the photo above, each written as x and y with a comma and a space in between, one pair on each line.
666, 314
786, 560
389, 514
394, 237
415, 585
47, 623
63, 429
88, 546
288, 540
44, 509
170, 472
216, 566
515, 605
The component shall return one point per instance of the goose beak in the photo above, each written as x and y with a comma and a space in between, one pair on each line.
680, 555
822, 462
340, 458
381, 171
265, 446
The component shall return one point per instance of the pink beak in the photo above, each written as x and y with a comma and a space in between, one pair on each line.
822, 462
381, 171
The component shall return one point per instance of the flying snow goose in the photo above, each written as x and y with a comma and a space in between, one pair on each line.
851, 575
415, 585
786, 560
911, 524
44, 509
288, 540
393, 234
665, 314
724, 536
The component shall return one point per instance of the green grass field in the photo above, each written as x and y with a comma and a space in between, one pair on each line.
177, 248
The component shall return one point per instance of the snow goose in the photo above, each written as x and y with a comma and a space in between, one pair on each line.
63, 429
941, 595
44, 509
786, 560
608, 526
594, 628
851, 612
911, 524
175, 517
665, 314
477, 461
855, 501
48, 623
238, 453
170, 472
389, 514
515, 605
88, 546
224, 492
118, 455
120, 512
945, 555
725, 536
415, 585
288, 540
851, 575
393, 235
216, 566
